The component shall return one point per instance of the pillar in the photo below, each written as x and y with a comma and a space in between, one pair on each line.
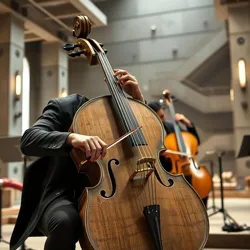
54, 73
239, 38
11, 63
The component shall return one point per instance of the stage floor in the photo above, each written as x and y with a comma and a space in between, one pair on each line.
238, 208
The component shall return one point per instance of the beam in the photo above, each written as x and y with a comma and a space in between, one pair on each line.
32, 39
61, 9
28, 32
4, 9
30, 25
48, 3
65, 16
48, 14
87, 8
40, 32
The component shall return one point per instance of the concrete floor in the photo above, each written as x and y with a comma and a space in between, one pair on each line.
239, 209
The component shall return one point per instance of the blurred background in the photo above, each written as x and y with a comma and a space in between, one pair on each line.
197, 49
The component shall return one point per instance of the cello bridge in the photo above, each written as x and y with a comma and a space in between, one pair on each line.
148, 169
146, 160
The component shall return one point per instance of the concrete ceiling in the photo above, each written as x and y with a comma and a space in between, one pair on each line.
51, 20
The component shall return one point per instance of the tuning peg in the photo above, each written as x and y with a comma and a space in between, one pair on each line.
105, 51
75, 53
101, 44
70, 46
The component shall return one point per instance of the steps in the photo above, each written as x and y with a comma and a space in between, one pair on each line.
188, 92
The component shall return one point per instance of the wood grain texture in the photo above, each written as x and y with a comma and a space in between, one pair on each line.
118, 223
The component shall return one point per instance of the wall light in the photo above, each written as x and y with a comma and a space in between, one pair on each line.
64, 92
18, 85
232, 95
242, 73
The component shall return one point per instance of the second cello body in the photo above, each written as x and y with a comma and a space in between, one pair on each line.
186, 143
198, 176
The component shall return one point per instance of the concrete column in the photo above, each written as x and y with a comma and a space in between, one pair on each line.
239, 36
11, 62
54, 73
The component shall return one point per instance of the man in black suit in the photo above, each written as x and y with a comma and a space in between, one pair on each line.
169, 127
51, 184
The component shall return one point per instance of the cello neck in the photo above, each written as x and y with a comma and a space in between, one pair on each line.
179, 138
119, 99
180, 141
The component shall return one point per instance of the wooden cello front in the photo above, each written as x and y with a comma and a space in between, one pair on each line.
135, 204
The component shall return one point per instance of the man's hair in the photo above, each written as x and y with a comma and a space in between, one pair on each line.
155, 106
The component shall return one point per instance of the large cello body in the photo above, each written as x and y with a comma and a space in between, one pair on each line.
184, 142
133, 203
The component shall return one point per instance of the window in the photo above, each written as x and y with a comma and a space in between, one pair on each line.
26, 95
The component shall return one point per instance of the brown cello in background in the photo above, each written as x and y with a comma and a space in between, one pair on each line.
132, 203
186, 143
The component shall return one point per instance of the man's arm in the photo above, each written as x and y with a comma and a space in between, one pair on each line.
46, 137
193, 131
189, 125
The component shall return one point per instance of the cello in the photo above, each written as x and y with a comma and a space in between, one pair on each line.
186, 143
132, 203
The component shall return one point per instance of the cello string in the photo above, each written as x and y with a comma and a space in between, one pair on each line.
148, 166
113, 91
129, 117
147, 147
148, 133
143, 185
109, 75
144, 173
123, 98
181, 144
117, 99
125, 101
123, 106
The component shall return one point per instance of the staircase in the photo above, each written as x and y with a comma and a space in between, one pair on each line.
205, 99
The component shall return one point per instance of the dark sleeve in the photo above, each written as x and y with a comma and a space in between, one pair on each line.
193, 131
47, 137
169, 127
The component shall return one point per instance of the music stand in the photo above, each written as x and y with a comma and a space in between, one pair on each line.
231, 225
10, 152
210, 158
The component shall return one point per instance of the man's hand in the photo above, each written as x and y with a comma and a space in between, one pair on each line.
129, 84
92, 145
183, 119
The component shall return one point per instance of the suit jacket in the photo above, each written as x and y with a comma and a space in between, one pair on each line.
53, 174
169, 127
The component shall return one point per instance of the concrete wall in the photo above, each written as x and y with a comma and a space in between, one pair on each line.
181, 25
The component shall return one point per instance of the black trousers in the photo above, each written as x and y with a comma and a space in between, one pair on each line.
61, 224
